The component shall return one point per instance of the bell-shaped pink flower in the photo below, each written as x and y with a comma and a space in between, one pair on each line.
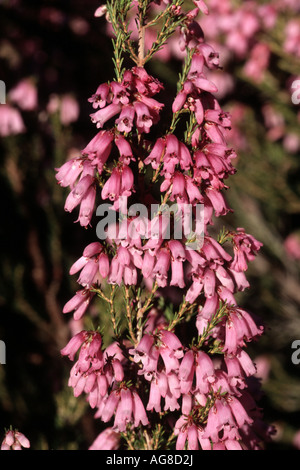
24, 95
107, 440
139, 412
111, 189
78, 193
68, 173
154, 402
79, 303
15, 440
101, 97
205, 372
155, 157
144, 119
74, 344
87, 207
103, 115
126, 119
202, 6
11, 122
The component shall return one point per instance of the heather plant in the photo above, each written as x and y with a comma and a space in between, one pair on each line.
176, 373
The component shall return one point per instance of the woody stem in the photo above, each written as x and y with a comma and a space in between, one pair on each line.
141, 53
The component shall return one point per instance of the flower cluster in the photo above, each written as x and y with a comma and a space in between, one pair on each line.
202, 386
14, 440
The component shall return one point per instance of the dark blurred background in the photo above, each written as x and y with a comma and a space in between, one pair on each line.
53, 55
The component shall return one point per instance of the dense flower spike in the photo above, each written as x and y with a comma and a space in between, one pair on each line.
149, 369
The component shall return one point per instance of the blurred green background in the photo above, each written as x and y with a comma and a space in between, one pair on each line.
66, 52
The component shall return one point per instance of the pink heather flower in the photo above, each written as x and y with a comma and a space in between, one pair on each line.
292, 35
220, 418
11, 121
126, 119
101, 11
67, 107
104, 265
202, 6
238, 367
78, 193
177, 274
119, 184
171, 157
154, 402
139, 411
123, 268
127, 407
172, 342
92, 264
214, 251
110, 407
103, 375
98, 149
245, 249
198, 78
258, 62
239, 412
164, 386
177, 249
124, 410
151, 86
79, 303
68, 173
205, 372
89, 274
188, 431
15, 440
144, 119
217, 201
87, 207
111, 189
127, 181
155, 157
107, 440
96, 371
69, 110
90, 349
101, 97
240, 327
148, 264
24, 95
74, 344
211, 57
155, 319
92, 249
120, 94
142, 352
103, 115
178, 188
195, 289
161, 267
181, 99
218, 117
187, 366
165, 344
292, 246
